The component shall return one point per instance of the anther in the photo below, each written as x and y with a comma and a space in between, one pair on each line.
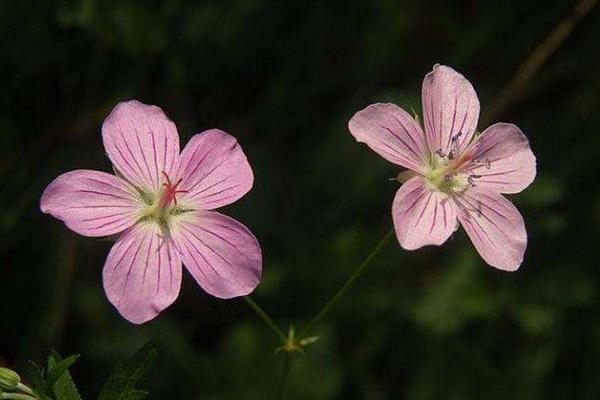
454, 145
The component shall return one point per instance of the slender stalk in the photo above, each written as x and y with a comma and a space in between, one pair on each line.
348, 284
536, 59
265, 317
24, 388
17, 396
285, 372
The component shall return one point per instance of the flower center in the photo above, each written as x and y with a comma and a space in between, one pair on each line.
164, 205
450, 173
443, 176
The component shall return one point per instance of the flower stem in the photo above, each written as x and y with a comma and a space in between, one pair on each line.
265, 317
348, 284
287, 361
536, 59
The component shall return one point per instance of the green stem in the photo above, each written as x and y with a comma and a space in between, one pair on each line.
265, 317
24, 388
17, 396
349, 283
287, 361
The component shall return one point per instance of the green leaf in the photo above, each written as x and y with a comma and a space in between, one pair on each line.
125, 376
36, 377
58, 370
133, 395
64, 388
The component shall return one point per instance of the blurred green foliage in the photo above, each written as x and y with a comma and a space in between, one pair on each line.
284, 78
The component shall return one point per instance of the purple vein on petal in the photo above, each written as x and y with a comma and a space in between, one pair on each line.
424, 208
141, 243
124, 159
211, 186
208, 174
137, 136
100, 193
403, 142
170, 263
123, 255
409, 134
101, 182
453, 121
154, 151
124, 141
159, 250
196, 263
207, 247
147, 259
434, 217
198, 164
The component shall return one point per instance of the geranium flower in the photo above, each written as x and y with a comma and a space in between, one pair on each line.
161, 203
454, 173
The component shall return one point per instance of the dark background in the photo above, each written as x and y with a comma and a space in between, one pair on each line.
284, 78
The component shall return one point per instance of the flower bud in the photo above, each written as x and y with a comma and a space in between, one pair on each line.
9, 379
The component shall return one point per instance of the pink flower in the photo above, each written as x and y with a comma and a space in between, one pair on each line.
456, 174
161, 201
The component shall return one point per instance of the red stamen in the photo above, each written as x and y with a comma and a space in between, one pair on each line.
170, 193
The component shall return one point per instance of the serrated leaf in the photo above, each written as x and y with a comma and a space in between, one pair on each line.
125, 376
64, 388
58, 370
133, 395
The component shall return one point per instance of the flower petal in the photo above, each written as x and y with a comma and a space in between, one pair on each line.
392, 133
450, 107
507, 164
92, 203
422, 216
495, 227
214, 171
141, 142
142, 274
221, 254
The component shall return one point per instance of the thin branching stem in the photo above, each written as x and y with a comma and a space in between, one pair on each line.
265, 317
516, 87
348, 284
285, 372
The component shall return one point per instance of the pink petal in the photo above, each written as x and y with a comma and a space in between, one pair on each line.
422, 216
450, 106
507, 162
142, 274
392, 133
495, 227
141, 142
214, 171
92, 203
221, 254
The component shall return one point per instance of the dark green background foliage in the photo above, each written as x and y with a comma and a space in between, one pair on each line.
284, 78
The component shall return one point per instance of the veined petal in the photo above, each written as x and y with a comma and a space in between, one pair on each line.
221, 254
422, 216
450, 108
392, 133
214, 171
92, 203
141, 142
142, 274
495, 227
505, 162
